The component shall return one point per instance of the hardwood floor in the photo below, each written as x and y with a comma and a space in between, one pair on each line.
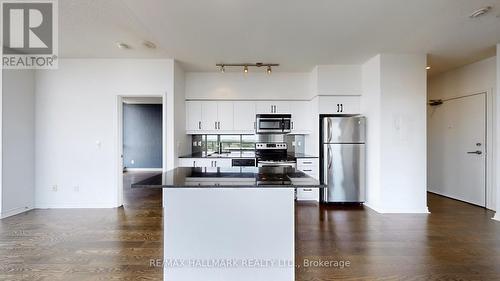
456, 242
86, 244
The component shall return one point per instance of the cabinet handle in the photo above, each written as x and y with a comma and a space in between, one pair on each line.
308, 163
215, 163
307, 170
307, 189
292, 125
255, 125
199, 125
194, 163
216, 125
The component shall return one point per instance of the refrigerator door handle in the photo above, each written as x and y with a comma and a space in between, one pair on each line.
328, 165
329, 129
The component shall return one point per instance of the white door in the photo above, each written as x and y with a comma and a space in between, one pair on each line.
244, 115
193, 114
457, 149
209, 115
225, 115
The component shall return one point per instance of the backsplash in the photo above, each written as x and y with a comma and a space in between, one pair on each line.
239, 143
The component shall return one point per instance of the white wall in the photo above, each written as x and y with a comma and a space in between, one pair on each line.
77, 127
497, 135
182, 141
474, 78
396, 132
370, 106
240, 86
18, 141
337, 80
470, 79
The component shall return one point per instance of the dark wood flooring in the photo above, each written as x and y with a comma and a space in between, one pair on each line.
457, 241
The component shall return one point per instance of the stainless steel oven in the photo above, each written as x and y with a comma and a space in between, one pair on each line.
273, 123
273, 155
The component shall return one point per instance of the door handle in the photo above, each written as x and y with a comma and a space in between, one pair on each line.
478, 152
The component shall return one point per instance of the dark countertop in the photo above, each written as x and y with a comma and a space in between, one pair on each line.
245, 177
247, 154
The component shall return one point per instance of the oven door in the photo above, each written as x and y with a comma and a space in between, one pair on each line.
272, 125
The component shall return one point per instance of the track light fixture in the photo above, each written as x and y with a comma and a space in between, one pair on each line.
268, 66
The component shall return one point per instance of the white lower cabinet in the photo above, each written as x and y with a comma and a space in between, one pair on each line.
309, 166
205, 162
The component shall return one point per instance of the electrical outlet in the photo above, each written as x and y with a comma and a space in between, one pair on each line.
54, 188
76, 188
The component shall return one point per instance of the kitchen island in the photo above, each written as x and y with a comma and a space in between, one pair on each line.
229, 223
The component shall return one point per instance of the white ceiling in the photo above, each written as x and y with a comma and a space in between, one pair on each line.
298, 34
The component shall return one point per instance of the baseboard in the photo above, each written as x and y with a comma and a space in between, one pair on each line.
497, 216
143, 170
15, 211
456, 199
382, 210
76, 205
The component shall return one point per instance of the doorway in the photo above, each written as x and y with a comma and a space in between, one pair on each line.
141, 147
457, 149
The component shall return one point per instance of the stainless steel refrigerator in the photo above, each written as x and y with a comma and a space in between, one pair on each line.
343, 159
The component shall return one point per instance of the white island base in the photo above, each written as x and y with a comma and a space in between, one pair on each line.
229, 234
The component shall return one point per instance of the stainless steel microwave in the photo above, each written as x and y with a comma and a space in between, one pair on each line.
273, 123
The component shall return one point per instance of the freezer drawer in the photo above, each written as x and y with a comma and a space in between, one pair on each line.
343, 129
344, 173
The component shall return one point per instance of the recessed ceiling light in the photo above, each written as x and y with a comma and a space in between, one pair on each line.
428, 68
122, 45
480, 12
149, 44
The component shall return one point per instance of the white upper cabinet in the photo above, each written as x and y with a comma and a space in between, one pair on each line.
273, 107
263, 107
281, 106
193, 116
209, 116
225, 116
339, 105
238, 117
301, 117
244, 116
